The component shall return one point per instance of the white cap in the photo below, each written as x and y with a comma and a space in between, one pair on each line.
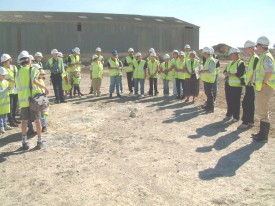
175, 51
234, 50
54, 51
263, 41
98, 49
187, 46
77, 50
59, 54
38, 54
94, 56
3, 71
151, 50
206, 50
130, 50
5, 57
153, 54
23, 54
31, 57
181, 53
36, 66
166, 56
138, 54
211, 50
42, 71
249, 44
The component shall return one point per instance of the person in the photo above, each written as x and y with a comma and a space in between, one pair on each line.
4, 100
96, 74
248, 102
120, 74
187, 49
23, 78
139, 74
74, 64
129, 60
6, 61
208, 75
264, 87
38, 58
101, 59
114, 66
218, 71
234, 80
166, 73
56, 67
192, 84
153, 69
173, 65
66, 86
76, 83
180, 76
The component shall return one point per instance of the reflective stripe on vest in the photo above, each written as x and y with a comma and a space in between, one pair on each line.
4, 98
164, 67
209, 77
153, 68
232, 68
139, 72
113, 63
180, 65
97, 70
129, 60
260, 72
249, 72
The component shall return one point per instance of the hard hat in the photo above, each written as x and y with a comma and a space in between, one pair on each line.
59, 54
138, 54
211, 50
151, 50
3, 71
206, 50
114, 52
23, 54
5, 57
166, 56
71, 51
181, 53
175, 51
36, 66
54, 51
187, 46
98, 49
77, 50
94, 56
38, 54
42, 71
31, 57
263, 41
249, 44
193, 52
234, 50
153, 54
130, 50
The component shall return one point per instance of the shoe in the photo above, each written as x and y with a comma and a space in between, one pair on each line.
142, 95
121, 92
118, 95
16, 121
264, 131
243, 126
12, 124
56, 101
31, 132
2, 130
177, 97
63, 101
90, 92
209, 110
226, 118
44, 129
39, 144
131, 92
8, 127
234, 120
182, 97
25, 145
110, 96
187, 100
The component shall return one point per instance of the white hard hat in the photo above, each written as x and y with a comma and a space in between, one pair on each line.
98, 49
211, 50
175, 51
3, 71
249, 44
187, 46
193, 52
42, 71
5, 57
54, 51
23, 54
31, 57
59, 54
151, 50
130, 50
206, 50
166, 56
153, 54
263, 41
94, 56
38, 54
181, 53
234, 50
138, 54
36, 66
77, 50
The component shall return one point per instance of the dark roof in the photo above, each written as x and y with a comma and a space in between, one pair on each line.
33, 16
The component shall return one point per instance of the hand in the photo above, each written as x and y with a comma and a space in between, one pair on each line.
46, 91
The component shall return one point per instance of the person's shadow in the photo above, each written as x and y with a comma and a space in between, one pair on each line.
230, 163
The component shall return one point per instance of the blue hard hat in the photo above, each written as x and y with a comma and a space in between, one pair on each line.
114, 52
71, 51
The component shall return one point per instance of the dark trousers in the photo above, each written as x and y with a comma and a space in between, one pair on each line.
57, 86
130, 81
77, 90
233, 100
248, 105
208, 90
153, 85
178, 83
13, 106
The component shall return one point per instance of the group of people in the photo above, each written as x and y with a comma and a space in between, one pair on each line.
184, 70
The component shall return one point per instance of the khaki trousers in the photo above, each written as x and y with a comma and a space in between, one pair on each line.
96, 86
262, 103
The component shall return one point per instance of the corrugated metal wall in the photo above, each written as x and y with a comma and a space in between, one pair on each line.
43, 37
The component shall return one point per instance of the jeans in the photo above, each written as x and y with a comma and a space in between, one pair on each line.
3, 120
180, 86
129, 81
120, 83
43, 121
175, 93
233, 100
215, 88
153, 86
13, 107
114, 83
208, 90
141, 82
57, 86
77, 89
166, 87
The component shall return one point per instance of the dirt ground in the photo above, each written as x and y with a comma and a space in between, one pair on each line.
171, 153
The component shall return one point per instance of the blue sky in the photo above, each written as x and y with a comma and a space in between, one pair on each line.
222, 21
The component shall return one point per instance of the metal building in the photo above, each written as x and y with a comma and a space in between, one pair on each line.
42, 31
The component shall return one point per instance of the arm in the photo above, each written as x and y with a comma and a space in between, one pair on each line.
269, 67
40, 86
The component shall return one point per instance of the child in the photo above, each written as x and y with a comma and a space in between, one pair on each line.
76, 82
166, 71
96, 74
153, 69
4, 100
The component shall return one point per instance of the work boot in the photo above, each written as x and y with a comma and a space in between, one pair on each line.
264, 131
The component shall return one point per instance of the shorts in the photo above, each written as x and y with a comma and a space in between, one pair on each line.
28, 114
